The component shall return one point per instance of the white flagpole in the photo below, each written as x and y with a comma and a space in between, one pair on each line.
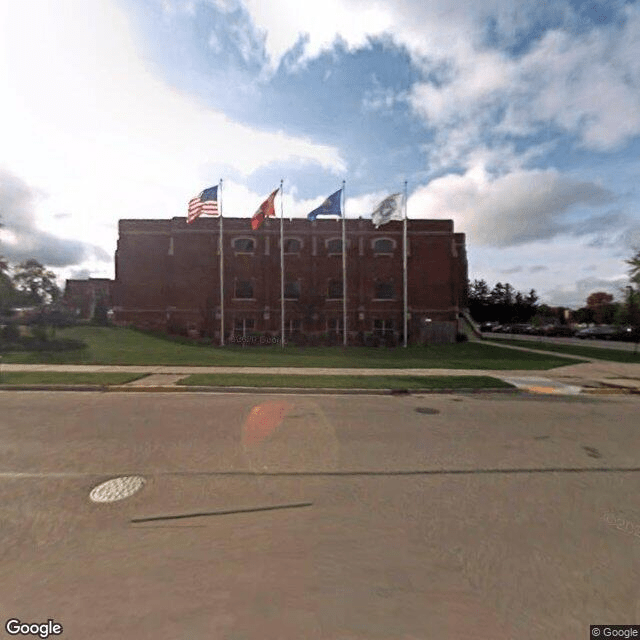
221, 251
281, 264
404, 262
344, 270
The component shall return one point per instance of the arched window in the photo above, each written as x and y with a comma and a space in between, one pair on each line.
244, 245
383, 246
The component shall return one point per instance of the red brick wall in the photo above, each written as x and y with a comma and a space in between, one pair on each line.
81, 296
155, 289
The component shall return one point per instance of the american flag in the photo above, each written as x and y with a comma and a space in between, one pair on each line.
204, 204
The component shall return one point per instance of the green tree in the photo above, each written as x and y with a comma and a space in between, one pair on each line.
7, 289
634, 269
36, 283
632, 296
100, 313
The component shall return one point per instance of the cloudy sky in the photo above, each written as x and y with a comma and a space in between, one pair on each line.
518, 120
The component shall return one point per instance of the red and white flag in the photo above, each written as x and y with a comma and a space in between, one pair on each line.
204, 204
266, 210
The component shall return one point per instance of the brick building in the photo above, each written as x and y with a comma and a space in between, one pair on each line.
168, 278
82, 296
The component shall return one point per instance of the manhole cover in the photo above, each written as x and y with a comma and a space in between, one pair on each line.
428, 410
117, 489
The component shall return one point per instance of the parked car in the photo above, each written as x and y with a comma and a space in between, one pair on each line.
505, 328
627, 334
604, 332
559, 331
520, 328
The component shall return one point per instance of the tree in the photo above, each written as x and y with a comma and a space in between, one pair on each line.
632, 296
479, 301
502, 303
100, 313
634, 269
36, 282
602, 305
598, 299
7, 290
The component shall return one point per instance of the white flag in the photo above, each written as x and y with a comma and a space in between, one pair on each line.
389, 209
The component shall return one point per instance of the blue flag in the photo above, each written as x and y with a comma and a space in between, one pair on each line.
330, 207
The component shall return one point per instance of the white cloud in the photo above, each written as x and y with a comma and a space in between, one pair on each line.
586, 83
85, 122
286, 22
589, 84
519, 207
576, 293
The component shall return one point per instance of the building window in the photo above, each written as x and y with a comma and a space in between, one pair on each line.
335, 325
384, 291
292, 328
242, 326
334, 291
383, 246
292, 290
334, 246
382, 327
244, 289
244, 245
292, 245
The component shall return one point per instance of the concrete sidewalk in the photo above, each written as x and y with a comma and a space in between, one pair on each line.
570, 379
594, 375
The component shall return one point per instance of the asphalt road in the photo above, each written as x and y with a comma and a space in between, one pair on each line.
603, 344
408, 517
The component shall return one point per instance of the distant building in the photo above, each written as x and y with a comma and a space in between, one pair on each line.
82, 296
167, 278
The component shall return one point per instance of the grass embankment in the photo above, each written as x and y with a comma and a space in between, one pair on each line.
599, 353
345, 382
52, 377
119, 346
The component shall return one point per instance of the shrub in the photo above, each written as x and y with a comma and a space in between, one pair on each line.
462, 337
371, 340
101, 315
10, 333
39, 333
390, 340
177, 329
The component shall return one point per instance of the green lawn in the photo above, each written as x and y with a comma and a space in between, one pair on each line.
345, 382
119, 346
52, 377
601, 353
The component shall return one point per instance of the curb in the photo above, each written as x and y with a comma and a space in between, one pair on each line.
254, 390
612, 391
53, 387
